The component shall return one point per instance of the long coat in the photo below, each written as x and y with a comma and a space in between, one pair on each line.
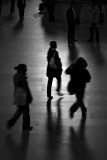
70, 16
20, 80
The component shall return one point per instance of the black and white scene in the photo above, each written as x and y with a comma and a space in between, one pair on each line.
53, 79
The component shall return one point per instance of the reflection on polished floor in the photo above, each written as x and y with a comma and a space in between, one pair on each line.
55, 136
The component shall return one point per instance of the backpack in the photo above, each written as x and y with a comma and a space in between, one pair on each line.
52, 63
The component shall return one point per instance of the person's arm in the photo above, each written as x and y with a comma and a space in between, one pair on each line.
26, 87
58, 60
68, 70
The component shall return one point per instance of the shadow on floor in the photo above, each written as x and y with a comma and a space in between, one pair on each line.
73, 53
54, 129
94, 49
53, 28
8, 18
17, 150
18, 27
79, 148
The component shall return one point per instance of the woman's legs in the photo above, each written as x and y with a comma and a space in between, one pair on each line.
11, 122
26, 117
49, 86
78, 103
80, 96
58, 83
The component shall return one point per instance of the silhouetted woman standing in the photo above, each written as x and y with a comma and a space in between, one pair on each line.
53, 71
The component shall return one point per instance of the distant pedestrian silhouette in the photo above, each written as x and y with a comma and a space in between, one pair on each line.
101, 5
21, 7
54, 68
12, 9
0, 6
70, 16
42, 7
50, 5
94, 22
80, 76
22, 99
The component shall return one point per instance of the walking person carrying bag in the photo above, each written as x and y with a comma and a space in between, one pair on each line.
22, 98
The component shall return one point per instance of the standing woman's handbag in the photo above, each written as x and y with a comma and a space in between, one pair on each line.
52, 62
20, 96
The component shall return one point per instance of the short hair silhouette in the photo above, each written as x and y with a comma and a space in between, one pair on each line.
53, 44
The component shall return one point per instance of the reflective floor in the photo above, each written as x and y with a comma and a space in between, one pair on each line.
55, 136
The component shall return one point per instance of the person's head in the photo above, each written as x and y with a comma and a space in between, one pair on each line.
21, 68
81, 63
53, 44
